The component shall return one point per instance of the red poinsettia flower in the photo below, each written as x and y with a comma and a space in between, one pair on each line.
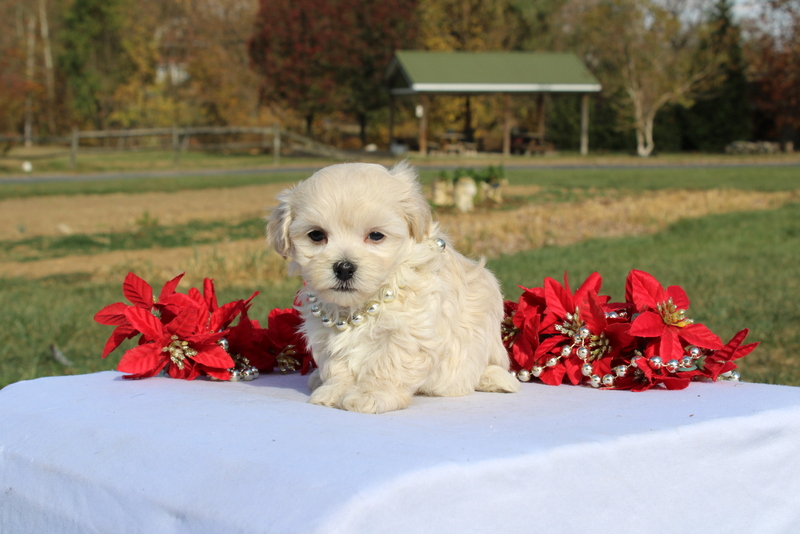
174, 346
285, 343
662, 315
140, 294
718, 362
575, 324
561, 302
213, 316
248, 339
520, 330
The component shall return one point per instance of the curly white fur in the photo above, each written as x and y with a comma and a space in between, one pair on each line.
439, 336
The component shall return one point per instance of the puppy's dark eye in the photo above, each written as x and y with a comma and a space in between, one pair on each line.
317, 236
375, 236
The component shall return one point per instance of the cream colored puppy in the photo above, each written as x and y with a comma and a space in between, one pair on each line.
388, 309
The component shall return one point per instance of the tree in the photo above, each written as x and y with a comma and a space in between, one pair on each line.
773, 55
471, 25
317, 56
646, 48
379, 28
221, 81
723, 114
296, 51
95, 58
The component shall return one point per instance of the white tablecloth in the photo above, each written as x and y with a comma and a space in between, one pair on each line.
95, 453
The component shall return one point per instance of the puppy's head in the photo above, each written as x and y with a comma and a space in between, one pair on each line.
349, 226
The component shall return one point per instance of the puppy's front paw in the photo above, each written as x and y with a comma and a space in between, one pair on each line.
327, 395
314, 380
375, 401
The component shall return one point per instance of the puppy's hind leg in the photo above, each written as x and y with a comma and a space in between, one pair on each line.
495, 376
498, 380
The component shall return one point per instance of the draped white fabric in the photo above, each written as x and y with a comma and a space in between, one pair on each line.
95, 453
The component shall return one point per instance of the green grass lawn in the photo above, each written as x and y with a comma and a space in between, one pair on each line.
740, 270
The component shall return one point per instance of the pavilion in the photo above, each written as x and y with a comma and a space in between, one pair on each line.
426, 73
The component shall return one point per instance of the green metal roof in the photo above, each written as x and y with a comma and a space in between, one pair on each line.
488, 72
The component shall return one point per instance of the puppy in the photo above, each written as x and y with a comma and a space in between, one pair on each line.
389, 309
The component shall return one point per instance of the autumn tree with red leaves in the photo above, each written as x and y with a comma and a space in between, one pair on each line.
774, 57
317, 56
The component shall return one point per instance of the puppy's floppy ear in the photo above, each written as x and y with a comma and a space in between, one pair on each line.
280, 218
415, 206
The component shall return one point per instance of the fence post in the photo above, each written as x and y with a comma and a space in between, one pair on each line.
73, 147
276, 144
176, 145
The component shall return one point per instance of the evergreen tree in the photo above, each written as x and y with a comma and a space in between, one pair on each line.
722, 115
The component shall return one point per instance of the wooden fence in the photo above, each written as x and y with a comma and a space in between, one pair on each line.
271, 137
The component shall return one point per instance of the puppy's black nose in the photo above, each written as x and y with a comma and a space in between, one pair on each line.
344, 270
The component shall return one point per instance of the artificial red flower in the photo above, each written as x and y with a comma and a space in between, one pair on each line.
174, 346
183, 333
718, 362
140, 294
285, 343
641, 343
662, 315
249, 340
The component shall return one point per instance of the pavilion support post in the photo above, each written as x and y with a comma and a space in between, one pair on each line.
423, 125
507, 124
585, 124
540, 117
468, 131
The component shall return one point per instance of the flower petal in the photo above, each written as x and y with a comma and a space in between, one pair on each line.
670, 347
185, 324
209, 294
522, 353
673, 382
137, 291
112, 315
143, 361
169, 287
145, 322
553, 376
593, 315
120, 334
224, 315
213, 356
678, 296
559, 301
698, 334
572, 368
647, 324
592, 285
643, 290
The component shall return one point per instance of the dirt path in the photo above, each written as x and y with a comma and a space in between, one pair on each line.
81, 214
488, 233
